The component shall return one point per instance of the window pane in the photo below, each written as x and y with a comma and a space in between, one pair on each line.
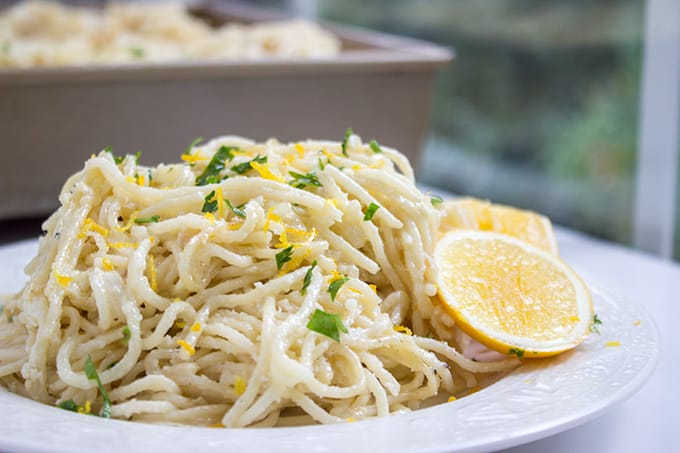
540, 107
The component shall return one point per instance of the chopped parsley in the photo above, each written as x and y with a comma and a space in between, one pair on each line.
117, 159
126, 335
308, 278
211, 175
301, 181
151, 219
348, 134
68, 405
137, 52
321, 165
435, 200
245, 167
596, 322
238, 210
209, 203
335, 285
138, 154
111, 365
91, 373
192, 145
517, 351
326, 324
370, 211
283, 257
375, 147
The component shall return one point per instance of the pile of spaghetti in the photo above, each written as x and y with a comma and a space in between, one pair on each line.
38, 33
254, 284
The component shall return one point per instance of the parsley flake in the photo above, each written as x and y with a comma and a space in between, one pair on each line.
321, 165
137, 52
335, 285
238, 210
326, 324
245, 167
596, 321
68, 405
209, 204
301, 181
211, 175
370, 211
517, 351
283, 257
117, 159
348, 134
126, 335
308, 278
375, 147
435, 200
192, 145
151, 219
91, 373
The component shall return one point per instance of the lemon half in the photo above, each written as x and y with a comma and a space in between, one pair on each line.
474, 214
510, 295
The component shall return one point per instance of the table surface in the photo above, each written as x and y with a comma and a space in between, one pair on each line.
644, 422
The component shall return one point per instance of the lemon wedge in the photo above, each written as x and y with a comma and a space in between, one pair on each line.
474, 214
510, 295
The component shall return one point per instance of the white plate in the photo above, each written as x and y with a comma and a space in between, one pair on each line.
538, 399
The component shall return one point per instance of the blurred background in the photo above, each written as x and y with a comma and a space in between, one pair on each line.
541, 107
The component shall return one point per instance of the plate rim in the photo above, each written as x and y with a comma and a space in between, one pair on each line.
531, 433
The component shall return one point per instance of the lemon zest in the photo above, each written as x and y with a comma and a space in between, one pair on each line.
220, 203
62, 280
613, 344
300, 149
85, 409
271, 217
152, 274
107, 265
209, 217
122, 245
196, 327
265, 172
129, 223
187, 347
91, 225
295, 262
305, 236
193, 158
403, 329
451, 399
240, 385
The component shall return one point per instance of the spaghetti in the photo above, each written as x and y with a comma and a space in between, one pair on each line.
255, 284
